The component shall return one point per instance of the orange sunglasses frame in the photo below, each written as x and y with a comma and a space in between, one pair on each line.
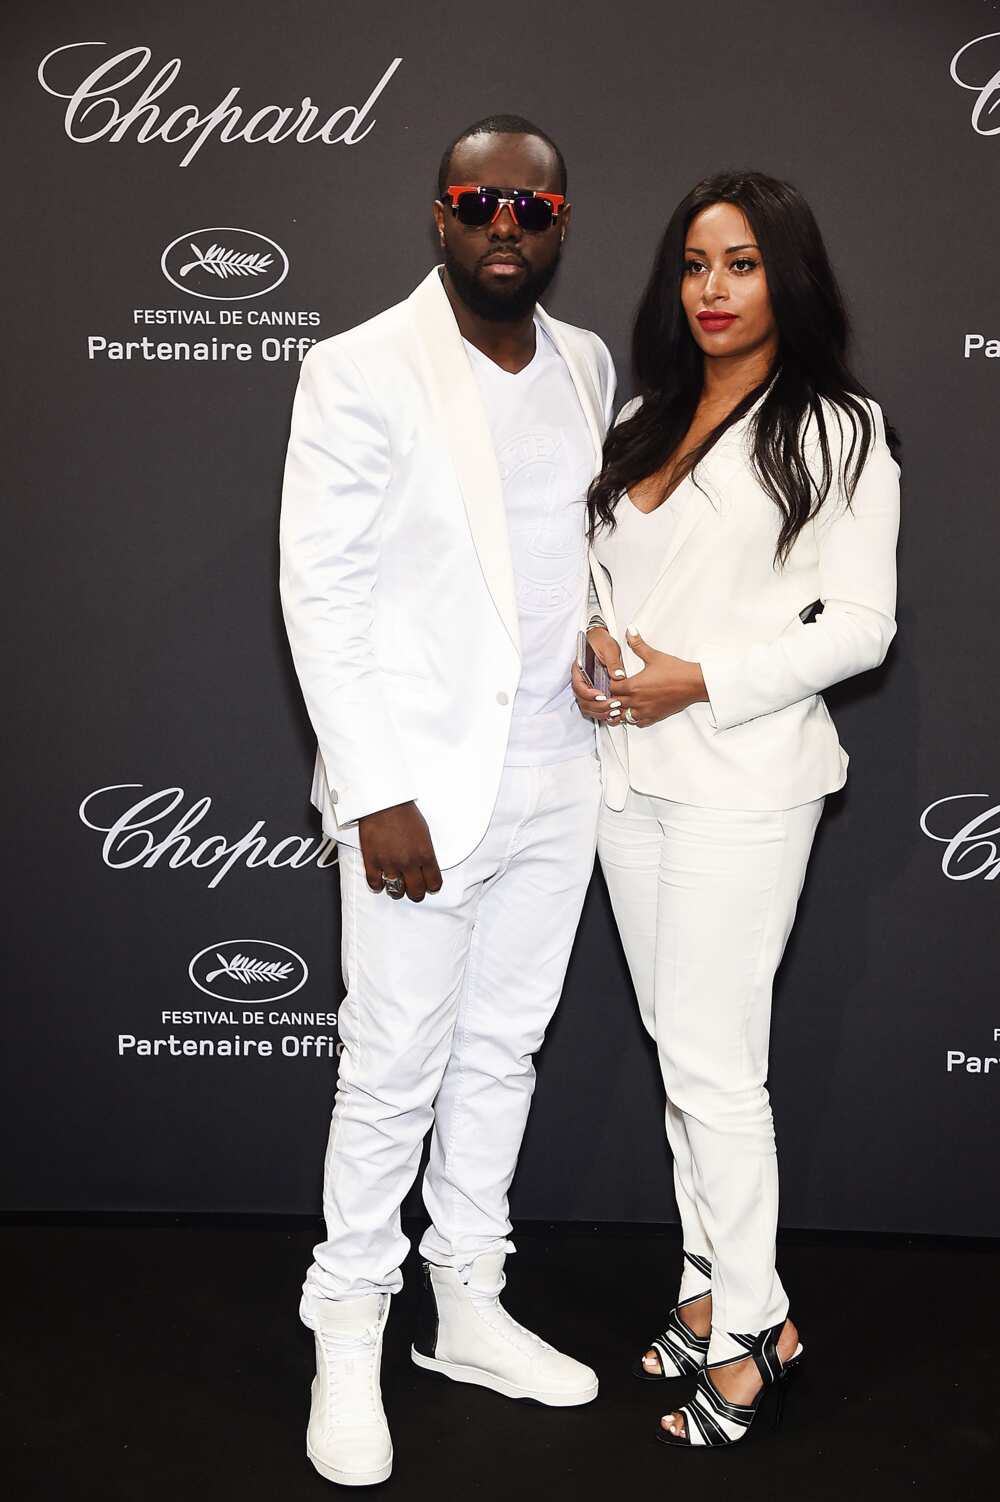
554, 200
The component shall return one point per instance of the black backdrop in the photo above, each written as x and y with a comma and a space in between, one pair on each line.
145, 647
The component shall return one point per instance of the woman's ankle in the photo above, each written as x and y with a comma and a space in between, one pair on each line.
697, 1315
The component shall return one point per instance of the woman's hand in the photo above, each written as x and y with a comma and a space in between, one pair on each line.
592, 705
663, 687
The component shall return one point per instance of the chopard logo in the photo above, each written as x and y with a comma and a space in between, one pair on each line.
94, 112
971, 849
130, 839
976, 66
237, 265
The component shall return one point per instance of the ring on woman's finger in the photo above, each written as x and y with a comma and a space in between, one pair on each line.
394, 885
630, 718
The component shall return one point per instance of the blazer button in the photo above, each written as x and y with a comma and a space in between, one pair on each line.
333, 795
502, 698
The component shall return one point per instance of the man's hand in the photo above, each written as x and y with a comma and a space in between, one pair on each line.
592, 705
663, 687
396, 842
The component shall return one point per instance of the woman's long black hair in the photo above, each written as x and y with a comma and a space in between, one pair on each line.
810, 364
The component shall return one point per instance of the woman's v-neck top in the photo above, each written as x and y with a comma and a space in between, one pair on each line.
633, 553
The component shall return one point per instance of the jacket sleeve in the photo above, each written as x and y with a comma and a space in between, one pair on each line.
609, 379
337, 473
857, 572
594, 612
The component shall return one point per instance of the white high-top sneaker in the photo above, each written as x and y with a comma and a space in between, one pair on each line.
468, 1335
348, 1437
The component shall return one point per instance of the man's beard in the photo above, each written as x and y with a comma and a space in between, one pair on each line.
499, 305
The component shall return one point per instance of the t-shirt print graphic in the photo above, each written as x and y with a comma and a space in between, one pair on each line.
545, 518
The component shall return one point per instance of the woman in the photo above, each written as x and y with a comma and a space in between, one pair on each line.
743, 533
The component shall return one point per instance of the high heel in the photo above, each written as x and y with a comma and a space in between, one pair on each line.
712, 1421
781, 1390
681, 1352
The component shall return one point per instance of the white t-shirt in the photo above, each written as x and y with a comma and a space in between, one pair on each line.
633, 553
545, 454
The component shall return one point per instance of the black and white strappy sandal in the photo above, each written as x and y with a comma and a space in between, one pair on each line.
680, 1351
712, 1421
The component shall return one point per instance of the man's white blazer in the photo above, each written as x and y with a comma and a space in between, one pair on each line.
396, 579
765, 739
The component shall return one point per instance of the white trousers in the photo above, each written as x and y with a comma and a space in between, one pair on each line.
447, 1001
705, 900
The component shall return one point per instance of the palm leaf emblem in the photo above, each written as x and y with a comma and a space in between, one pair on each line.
242, 968
218, 261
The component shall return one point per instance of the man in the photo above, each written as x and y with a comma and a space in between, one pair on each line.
433, 580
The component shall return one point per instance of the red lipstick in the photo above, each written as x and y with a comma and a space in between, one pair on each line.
715, 323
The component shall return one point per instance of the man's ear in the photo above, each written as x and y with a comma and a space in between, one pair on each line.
564, 219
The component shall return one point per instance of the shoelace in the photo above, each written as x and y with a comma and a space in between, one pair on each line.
505, 1324
349, 1401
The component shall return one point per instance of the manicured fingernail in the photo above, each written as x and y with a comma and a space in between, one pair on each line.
618, 673
615, 714
601, 699
616, 704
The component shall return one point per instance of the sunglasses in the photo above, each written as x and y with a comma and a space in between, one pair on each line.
477, 207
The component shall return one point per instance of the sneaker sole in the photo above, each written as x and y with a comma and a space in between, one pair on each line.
478, 1377
350, 1478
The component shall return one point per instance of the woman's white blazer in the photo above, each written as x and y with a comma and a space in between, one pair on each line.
765, 739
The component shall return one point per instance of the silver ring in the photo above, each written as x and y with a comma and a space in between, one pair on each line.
629, 717
394, 885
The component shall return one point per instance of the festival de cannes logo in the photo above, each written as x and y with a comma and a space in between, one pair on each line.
224, 264
248, 970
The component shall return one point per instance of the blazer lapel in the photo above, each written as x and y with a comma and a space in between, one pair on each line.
697, 508
593, 410
455, 397
583, 381
709, 487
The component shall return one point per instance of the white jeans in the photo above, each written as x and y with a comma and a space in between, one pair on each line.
447, 1001
705, 900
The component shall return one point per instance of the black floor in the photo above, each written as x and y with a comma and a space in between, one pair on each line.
156, 1361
